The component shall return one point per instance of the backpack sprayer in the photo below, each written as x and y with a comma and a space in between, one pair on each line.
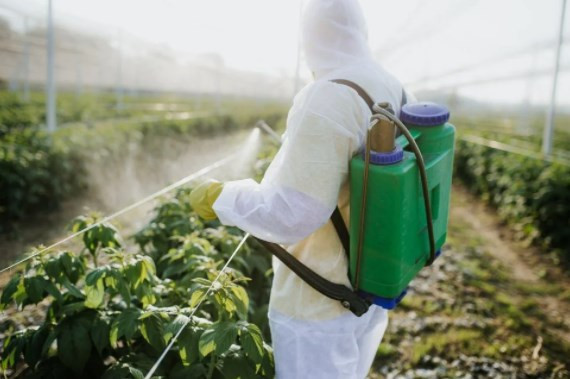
399, 205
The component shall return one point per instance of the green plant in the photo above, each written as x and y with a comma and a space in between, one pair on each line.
35, 175
176, 236
112, 309
14, 113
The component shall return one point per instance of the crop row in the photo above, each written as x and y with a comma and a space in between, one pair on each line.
531, 195
17, 113
112, 307
39, 170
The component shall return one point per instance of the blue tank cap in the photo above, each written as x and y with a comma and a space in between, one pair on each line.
424, 114
378, 158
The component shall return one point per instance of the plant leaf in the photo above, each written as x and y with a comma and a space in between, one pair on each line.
100, 334
10, 289
241, 300
73, 290
196, 297
73, 344
33, 348
218, 337
136, 373
12, 348
95, 295
252, 342
94, 275
126, 324
152, 331
188, 344
123, 288
34, 288
53, 268
207, 342
173, 327
236, 366
52, 290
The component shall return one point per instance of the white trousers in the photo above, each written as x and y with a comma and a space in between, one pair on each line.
341, 348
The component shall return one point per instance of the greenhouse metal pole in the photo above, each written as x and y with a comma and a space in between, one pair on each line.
549, 126
119, 90
26, 62
50, 85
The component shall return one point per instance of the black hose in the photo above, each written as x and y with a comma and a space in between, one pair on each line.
423, 175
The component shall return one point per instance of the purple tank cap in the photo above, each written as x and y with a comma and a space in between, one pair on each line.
383, 159
424, 114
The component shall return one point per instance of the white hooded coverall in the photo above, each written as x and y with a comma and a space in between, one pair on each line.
314, 336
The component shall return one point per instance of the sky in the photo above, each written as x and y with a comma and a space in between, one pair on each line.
418, 41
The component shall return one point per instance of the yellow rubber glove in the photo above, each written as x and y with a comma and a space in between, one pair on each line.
203, 197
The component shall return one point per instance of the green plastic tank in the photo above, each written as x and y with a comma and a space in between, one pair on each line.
395, 244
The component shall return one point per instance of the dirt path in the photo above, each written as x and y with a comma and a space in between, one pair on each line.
489, 307
473, 212
522, 262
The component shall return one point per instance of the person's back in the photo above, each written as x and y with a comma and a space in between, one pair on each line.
314, 336
335, 46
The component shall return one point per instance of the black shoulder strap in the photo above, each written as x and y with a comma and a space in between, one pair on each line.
361, 92
345, 295
341, 230
336, 218
364, 95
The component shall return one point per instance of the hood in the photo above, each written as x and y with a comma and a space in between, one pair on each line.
334, 35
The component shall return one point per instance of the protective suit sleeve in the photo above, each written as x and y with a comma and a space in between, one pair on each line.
300, 189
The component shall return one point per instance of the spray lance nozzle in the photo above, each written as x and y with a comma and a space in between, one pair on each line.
261, 124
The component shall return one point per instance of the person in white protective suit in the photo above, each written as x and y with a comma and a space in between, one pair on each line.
314, 336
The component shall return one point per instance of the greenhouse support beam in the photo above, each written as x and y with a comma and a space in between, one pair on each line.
51, 121
551, 114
